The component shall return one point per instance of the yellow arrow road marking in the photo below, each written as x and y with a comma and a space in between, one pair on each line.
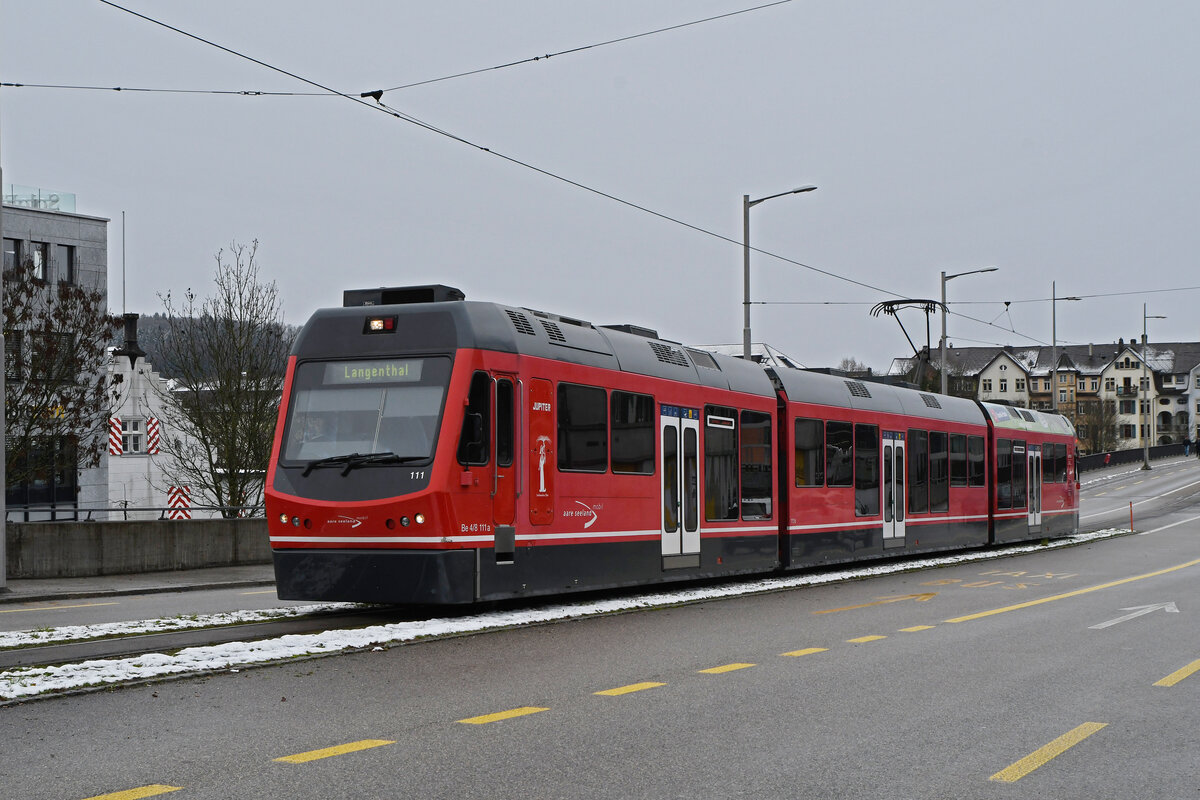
1075, 593
920, 598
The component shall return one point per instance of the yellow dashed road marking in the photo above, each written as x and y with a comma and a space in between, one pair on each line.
135, 794
865, 639
808, 651
633, 687
726, 668
55, 608
1043, 755
502, 715
341, 749
1179, 674
917, 629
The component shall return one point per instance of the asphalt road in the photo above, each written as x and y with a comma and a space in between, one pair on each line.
1056, 674
1105, 503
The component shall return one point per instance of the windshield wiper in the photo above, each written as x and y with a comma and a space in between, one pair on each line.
352, 460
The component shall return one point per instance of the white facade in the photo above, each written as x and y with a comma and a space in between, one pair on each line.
139, 472
1004, 380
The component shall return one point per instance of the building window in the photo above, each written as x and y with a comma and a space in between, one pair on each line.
1127, 406
1144, 383
13, 355
131, 436
987, 385
12, 256
1110, 384
1003, 385
1062, 395
66, 263
39, 253
1095, 385
1020, 384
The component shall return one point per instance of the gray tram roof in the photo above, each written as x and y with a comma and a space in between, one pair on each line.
508, 329
628, 348
815, 387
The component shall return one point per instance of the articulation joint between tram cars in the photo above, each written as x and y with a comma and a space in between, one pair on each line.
431, 449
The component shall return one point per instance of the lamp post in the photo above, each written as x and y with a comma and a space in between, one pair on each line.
748, 204
1148, 416
942, 347
1054, 344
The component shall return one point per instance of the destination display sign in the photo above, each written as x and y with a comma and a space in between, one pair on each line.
376, 371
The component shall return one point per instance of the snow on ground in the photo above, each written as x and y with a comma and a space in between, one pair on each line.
27, 682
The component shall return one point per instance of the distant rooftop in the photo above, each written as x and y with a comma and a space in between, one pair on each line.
40, 199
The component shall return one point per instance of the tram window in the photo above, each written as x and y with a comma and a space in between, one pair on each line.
839, 453
1060, 463
958, 459
670, 476
720, 463
810, 452
939, 477
756, 465
582, 428
1004, 471
976, 468
1018, 474
866, 470
632, 432
504, 423
1048, 468
918, 471
691, 481
477, 419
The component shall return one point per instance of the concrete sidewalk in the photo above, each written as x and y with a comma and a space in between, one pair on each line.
44, 589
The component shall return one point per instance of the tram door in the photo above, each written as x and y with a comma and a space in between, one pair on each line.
506, 475
894, 500
679, 466
1034, 481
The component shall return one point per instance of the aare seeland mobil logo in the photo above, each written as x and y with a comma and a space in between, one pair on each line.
342, 519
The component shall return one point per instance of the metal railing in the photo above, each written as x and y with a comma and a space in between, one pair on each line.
51, 512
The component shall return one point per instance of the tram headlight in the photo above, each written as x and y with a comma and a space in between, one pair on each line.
283, 519
419, 519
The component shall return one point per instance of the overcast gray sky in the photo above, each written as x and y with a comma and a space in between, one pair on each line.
1055, 140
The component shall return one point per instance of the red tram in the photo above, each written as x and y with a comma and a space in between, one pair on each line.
434, 450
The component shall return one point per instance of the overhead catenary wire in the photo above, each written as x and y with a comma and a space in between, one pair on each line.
378, 105
424, 82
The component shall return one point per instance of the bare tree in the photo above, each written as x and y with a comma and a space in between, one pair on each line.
225, 358
851, 364
1097, 425
56, 400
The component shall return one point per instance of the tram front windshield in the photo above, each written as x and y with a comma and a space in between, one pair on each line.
388, 405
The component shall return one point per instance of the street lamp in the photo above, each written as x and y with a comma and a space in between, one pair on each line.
1148, 415
748, 204
1054, 344
945, 278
